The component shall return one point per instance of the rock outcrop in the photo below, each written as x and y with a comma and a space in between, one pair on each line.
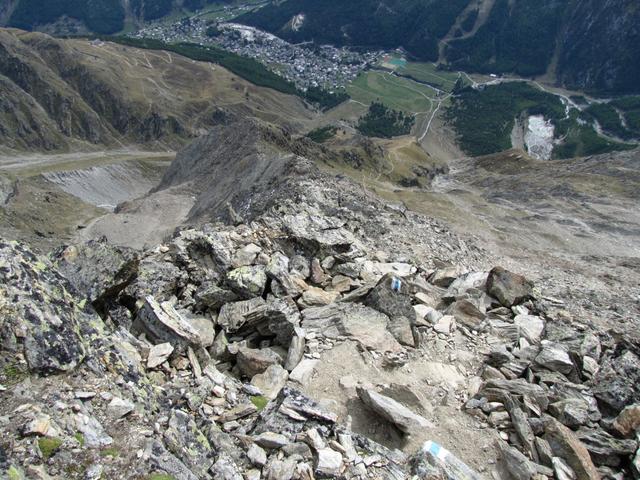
209, 355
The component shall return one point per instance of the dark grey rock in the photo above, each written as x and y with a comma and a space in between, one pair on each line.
509, 288
604, 448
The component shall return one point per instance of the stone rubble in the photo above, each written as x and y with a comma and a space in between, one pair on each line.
195, 364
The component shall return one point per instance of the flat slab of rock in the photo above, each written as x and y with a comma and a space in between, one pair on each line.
363, 324
271, 440
165, 324
329, 463
555, 358
119, 407
317, 297
271, 381
303, 371
158, 354
566, 445
467, 314
466, 282
393, 411
234, 315
444, 277
531, 327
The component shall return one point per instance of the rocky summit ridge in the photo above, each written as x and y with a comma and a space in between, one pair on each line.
301, 328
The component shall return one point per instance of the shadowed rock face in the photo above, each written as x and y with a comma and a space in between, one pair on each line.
236, 162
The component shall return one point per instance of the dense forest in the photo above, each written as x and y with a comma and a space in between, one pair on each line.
384, 122
100, 16
416, 25
525, 37
519, 38
484, 119
151, 9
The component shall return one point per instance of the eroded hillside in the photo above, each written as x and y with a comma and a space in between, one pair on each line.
71, 94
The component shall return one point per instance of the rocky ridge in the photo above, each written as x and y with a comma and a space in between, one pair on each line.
195, 358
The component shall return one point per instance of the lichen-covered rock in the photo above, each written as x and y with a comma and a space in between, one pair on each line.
187, 442
40, 320
248, 281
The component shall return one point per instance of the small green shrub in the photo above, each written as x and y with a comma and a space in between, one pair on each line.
260, 402
48, 446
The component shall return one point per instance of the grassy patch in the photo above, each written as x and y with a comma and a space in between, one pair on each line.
48, 446
260, 402
80, 438
14, 373
394, 92
160, 476
14, 474
110, 452
427, 72
322, 134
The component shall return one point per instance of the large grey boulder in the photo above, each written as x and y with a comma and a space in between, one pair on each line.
555, 358
248, 282
616, 383
164, 324
358, 322
508, 288
391, 297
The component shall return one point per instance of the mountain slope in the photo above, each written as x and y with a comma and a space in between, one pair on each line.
600, 46
60, 93
416, 25
590, 44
